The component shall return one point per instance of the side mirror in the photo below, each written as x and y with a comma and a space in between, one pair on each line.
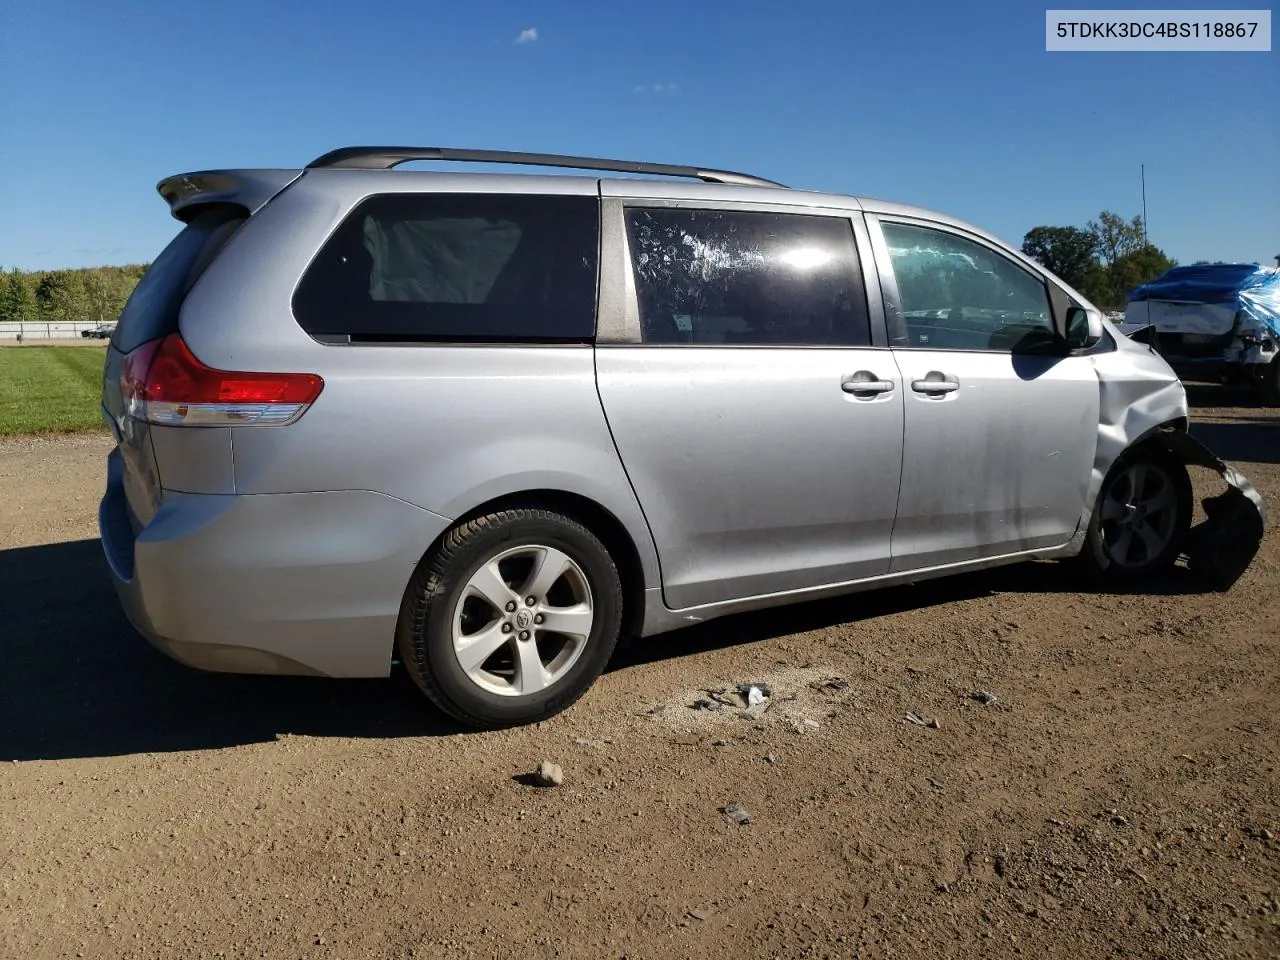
1084, 328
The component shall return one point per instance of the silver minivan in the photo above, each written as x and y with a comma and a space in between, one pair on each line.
487, 424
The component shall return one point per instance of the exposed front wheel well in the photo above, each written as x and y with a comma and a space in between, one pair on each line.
1182, 424
600, 522
1156, 437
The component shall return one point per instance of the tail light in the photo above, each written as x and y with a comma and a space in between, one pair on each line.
162, 382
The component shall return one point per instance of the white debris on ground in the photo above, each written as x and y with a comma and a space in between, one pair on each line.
798, 699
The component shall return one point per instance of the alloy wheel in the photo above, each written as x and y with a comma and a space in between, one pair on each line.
1139, 515
522, 620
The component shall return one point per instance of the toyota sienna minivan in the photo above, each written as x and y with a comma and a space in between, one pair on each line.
486, 424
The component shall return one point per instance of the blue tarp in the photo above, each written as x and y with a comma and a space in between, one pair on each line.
1254, 289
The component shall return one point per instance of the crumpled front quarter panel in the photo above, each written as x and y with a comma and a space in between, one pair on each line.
1138, 392
1140, 396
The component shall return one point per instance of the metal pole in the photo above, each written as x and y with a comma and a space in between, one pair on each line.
1144, 205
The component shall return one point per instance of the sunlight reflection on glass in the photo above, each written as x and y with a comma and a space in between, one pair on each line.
805, 258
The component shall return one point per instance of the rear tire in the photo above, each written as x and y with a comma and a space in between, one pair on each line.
1141, 518
477, 630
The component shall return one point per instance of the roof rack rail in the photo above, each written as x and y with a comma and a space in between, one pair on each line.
384, 158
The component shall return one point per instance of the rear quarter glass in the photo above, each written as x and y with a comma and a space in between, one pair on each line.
456, 268
152, 310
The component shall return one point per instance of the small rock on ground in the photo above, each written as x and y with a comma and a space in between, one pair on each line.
737, 813
549, 774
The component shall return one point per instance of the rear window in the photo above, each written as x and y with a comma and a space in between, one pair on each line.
152, 310
456, 267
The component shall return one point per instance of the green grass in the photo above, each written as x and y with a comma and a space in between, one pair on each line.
50, 389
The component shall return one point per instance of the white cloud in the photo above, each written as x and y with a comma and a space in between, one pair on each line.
656, 88
528, 36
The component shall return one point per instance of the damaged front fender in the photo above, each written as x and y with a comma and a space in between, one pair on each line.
1143, 401
1221, 548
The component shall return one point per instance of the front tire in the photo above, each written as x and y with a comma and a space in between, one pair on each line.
1140, 520
511, 618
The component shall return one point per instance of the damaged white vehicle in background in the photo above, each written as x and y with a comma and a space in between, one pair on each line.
1214, 321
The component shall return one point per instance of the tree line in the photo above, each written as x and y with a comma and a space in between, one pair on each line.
1104, 260
87, 293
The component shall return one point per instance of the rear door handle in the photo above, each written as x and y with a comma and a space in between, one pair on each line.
864, 384
935, 384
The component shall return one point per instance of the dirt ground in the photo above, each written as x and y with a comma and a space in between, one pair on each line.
1119, 798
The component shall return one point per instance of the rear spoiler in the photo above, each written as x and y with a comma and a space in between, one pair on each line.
250, 189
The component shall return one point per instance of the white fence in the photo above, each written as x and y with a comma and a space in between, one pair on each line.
52, 330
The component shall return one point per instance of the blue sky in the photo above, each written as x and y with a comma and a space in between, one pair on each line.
952, 106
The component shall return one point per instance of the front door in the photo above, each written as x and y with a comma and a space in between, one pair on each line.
760, 428
1001, 428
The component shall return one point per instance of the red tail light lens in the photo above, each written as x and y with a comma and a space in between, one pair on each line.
162, 382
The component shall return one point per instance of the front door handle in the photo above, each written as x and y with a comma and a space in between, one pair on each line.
935, 383
864, 385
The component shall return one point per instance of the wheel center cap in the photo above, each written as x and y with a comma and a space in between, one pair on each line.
524, 619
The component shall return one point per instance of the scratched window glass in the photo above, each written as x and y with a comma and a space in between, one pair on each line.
746, 278
961, 295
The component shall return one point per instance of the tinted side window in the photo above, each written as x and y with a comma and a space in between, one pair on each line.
457, 267
736, 277
152, 309
960, 295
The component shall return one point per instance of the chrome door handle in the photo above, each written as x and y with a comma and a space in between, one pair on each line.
935, 384
865, 385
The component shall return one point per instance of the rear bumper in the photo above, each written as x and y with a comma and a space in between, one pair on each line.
306, 583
